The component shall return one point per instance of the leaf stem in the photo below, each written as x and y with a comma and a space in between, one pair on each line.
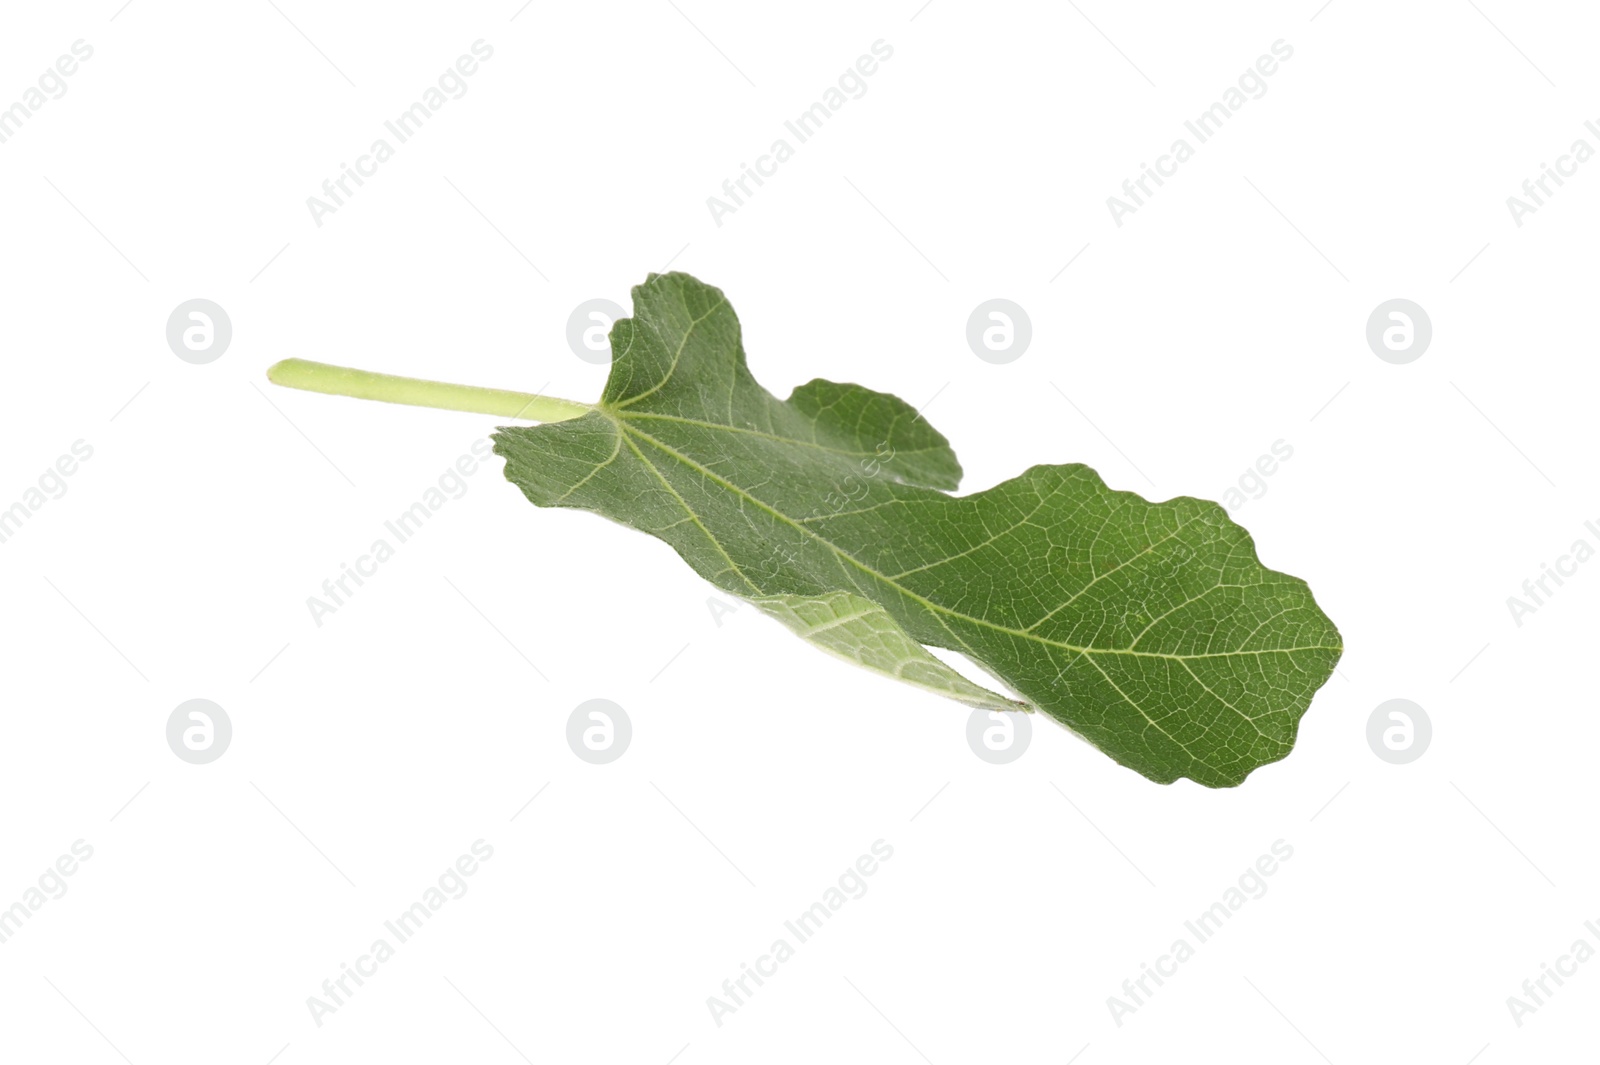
387, 388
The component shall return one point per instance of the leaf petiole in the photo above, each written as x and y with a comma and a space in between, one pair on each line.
387, 388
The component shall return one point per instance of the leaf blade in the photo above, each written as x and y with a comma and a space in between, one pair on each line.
1152, 629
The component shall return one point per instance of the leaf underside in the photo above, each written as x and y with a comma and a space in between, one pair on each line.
1150, 629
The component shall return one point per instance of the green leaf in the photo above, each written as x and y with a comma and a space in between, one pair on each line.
1150, 629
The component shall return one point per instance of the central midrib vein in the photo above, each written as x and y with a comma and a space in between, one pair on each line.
685, 460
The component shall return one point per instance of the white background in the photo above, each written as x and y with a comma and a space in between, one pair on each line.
369, 752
